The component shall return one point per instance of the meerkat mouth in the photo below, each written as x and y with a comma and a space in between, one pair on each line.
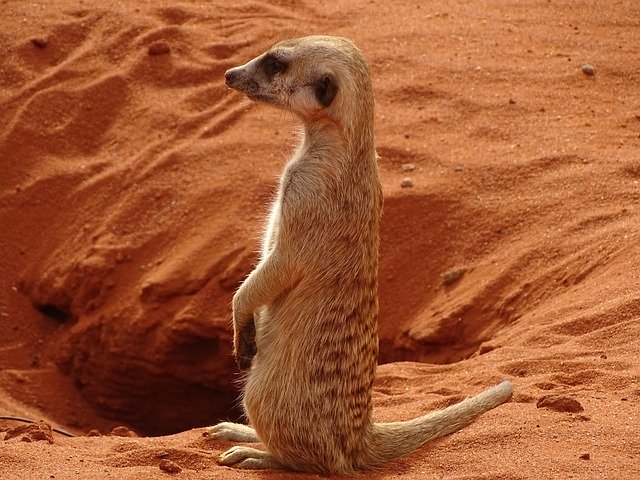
252, 93
258, 97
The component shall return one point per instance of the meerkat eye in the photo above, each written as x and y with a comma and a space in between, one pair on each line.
273, 65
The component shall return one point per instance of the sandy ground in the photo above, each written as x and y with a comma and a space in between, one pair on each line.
134, 186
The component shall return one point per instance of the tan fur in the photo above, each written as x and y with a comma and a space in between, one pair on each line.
313, 295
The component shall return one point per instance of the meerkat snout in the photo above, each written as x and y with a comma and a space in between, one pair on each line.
230, 77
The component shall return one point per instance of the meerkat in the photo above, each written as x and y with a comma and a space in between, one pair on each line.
305, 319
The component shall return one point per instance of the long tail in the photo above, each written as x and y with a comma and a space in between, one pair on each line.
388, 441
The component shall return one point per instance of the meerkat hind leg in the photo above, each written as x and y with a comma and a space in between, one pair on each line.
249, 458
233, 432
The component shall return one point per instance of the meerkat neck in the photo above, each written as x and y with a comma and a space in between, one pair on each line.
356, 140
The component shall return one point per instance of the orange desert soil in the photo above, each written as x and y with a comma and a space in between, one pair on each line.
133, 189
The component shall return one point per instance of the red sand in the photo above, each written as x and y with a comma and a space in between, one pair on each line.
134, 186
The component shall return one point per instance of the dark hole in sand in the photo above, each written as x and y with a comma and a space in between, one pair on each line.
54, 312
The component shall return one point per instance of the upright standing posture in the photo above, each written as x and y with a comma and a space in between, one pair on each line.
305, 320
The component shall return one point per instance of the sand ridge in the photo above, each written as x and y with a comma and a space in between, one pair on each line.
132, 181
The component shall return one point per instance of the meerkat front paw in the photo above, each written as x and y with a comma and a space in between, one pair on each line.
248, 458
245, 346
232, 432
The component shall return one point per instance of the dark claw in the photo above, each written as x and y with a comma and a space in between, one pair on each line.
246, 348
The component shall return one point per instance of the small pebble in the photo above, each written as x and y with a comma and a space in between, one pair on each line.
588, 69
169, 466
406, 182
485, 348
159, 48
452, 276
408, 167
585, 456
512, 101
122, 431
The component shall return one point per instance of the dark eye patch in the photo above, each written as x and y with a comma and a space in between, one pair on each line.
273, 65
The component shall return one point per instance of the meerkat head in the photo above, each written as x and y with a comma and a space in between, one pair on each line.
317, 77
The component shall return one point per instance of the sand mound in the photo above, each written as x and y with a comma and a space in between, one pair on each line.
134, 184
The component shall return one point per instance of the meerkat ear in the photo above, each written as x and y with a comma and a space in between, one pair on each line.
325, 90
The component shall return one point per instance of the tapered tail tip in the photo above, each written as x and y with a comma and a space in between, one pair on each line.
504, 390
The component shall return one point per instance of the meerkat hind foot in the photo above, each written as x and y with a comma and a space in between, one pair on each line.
232, 432
248, 458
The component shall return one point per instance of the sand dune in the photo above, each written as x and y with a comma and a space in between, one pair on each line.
133, 190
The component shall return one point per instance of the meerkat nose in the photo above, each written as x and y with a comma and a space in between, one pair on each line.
230, 77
